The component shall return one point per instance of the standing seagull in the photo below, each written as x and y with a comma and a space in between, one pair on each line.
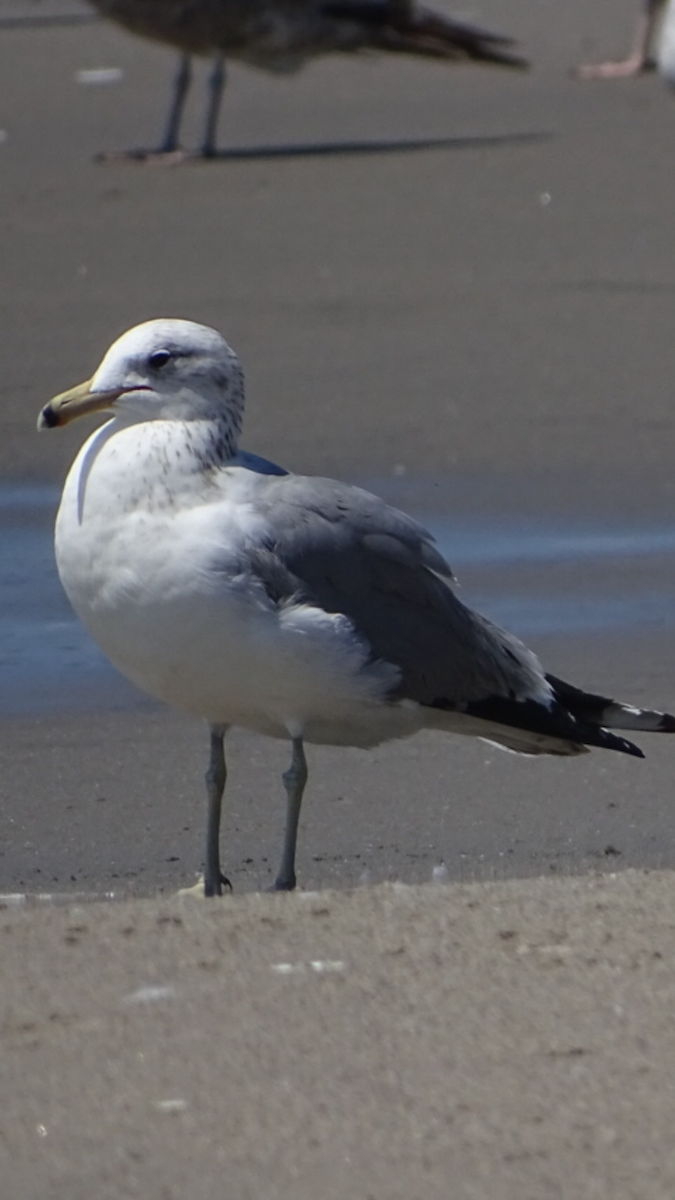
281, 35
296, 606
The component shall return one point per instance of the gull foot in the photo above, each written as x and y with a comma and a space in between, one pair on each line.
625, 69
151, 158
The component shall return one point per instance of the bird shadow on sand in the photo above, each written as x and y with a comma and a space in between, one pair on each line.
383, 146
332, 149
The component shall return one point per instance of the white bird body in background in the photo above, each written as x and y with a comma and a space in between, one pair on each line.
666, 46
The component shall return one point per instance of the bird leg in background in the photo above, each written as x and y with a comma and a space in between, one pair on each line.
170, 144
181, 85
169, 148
215, 85
294, 779
216, 776
638, 59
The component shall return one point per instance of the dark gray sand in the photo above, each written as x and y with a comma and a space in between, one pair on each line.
483, 330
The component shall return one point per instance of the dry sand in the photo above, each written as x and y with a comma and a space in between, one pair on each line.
471, 1041
491, 317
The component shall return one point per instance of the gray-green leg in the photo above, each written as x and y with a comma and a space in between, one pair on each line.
215, 86
216, 776
294, 779
181, 85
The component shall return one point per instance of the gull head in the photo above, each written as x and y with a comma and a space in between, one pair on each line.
161, 370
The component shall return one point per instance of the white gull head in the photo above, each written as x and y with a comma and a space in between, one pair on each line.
162, 370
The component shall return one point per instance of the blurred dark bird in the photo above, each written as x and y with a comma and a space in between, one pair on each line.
281, 35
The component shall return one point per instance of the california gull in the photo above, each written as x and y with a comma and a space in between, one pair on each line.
295, 606
281, 35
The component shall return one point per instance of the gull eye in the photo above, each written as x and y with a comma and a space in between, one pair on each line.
159, 359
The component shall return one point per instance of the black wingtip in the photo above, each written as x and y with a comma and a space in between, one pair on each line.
607, 713
617, 743
554, 722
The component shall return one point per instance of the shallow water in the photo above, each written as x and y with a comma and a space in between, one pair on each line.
47, 661
538, 577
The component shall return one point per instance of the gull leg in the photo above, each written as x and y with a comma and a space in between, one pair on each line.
638, 58
215, 777
215, 86
294, 779
168, 151
181, 85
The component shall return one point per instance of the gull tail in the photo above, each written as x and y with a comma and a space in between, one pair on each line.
408, 28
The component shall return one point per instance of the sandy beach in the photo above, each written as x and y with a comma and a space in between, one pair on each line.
451, 285
472, 1040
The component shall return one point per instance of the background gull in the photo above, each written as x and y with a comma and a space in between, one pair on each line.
281, 35
299, 607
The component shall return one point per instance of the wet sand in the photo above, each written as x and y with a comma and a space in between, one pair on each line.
488, 320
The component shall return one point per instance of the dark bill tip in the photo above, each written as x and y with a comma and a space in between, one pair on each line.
48, 419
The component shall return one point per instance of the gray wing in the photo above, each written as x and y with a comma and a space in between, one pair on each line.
349, 552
